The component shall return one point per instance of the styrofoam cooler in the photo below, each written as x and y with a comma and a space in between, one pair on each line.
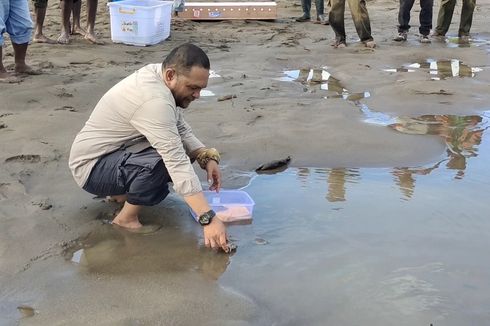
140, 22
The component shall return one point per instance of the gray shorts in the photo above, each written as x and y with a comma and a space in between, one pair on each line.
141, 176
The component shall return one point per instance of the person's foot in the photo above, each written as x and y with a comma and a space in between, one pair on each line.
424, 39
438, 36
23, 69
128, 222
370, 44
322, 19
64, 38
77, 30
401, 37
40, 38
464, 39
8, 78
338, 44
303, 19
93, 39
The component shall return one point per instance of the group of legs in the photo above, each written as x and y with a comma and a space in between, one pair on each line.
336, 19
444, 18
68, 7
360, 17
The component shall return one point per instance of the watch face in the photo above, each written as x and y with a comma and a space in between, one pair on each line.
206, 218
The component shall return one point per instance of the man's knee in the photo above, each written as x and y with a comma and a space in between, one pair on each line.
150, 187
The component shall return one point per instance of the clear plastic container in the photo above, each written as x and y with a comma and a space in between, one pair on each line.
235, 204
140, 22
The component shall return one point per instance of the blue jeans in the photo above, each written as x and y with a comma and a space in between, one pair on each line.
15, 19
306, 5
425, 16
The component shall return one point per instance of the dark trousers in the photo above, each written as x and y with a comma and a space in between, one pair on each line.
446, 14
359, 15
141, 176
425, 16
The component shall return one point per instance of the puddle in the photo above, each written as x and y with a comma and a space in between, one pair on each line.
462, 135
364, 246
454, 42
440, 69
112, 251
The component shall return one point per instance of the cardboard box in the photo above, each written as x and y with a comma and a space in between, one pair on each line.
229, 10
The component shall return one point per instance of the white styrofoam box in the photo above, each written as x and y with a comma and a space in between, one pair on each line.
140, 22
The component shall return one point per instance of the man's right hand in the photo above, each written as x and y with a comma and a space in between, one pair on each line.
215, 235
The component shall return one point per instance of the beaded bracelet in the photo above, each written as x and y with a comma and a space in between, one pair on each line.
206, 155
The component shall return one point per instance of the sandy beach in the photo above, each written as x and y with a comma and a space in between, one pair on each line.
44, 216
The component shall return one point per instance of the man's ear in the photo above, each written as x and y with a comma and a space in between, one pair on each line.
169, 74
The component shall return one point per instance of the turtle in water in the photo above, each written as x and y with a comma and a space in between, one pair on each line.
274, 166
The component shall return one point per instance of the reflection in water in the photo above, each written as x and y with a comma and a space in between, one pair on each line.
336, 179
321, 79
462, 135
455, 42
440, 69
372, 259
116, 251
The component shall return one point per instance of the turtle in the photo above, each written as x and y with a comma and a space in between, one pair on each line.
274, 166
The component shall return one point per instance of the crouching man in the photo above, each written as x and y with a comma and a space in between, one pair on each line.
136, 141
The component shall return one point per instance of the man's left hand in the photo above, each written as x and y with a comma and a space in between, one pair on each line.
214, 175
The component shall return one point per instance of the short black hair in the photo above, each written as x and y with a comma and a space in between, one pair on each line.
186, 56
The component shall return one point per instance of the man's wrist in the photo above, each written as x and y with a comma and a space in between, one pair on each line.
207, 155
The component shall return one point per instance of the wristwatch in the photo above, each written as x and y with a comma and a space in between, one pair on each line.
206, 218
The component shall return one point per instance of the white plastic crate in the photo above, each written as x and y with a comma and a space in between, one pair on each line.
140, 22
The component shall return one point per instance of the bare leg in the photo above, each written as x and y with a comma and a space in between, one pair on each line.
4, 75
39, 37
76, 29
21, 67
91, 14
66, 6
128, 216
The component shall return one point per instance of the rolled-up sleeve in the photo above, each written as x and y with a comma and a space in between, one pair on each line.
158, 121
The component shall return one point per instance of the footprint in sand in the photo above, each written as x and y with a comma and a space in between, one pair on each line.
24, 158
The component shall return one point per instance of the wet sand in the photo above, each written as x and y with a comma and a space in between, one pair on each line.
43, 212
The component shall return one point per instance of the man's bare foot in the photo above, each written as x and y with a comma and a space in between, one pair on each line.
127, 223
77, 30
117, 198
7, 78
42, 39
370, 44
64, 38
23, 69
93, 39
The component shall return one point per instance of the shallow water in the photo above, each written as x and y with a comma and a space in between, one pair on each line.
340, 246
393, 246
440, 69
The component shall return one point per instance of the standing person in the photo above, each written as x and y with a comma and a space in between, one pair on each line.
67, 6
446, 15
15, 19
136, 141
321, 18
360, 16
425, 18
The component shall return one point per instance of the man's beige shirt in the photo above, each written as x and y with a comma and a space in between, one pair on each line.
139, 106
